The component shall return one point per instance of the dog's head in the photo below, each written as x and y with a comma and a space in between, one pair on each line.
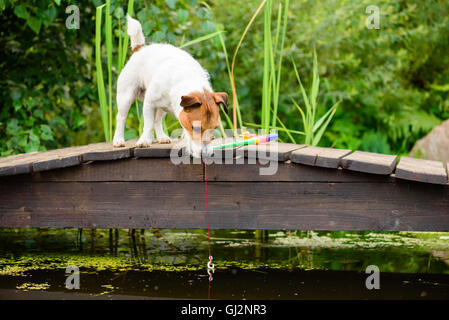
201, 108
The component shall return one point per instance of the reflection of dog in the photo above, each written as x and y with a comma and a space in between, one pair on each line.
167, 79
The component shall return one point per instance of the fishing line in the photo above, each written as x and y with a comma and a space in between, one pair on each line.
210, 266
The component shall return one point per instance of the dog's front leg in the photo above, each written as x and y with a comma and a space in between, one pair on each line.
146, 139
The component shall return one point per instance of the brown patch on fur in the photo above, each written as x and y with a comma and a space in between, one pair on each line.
204, 107
136, 48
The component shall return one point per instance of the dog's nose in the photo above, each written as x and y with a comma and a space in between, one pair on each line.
207, 150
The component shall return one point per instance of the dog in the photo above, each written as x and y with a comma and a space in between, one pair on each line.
167, 79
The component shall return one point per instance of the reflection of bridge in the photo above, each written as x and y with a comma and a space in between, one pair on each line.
96, 186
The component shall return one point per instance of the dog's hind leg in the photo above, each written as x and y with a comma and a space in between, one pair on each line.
146, 139
124, 100
160, 134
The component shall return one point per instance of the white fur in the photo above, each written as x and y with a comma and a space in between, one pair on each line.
159, 75
135, 32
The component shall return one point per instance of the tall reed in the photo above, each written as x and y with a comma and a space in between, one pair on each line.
273, 57
313, 129
100, 80
273, 49
236, 108
107, 104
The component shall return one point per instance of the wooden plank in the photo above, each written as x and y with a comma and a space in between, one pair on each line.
158, 150
17, 164
270, 151
7, 169
369, 162
162, 169
263, 205
16, 157
287, 172
132, 169
164, 150
44, 160
428, 171
59, 158
105, 151
320, 157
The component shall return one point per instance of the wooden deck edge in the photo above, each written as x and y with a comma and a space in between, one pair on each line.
232, 205
331, 158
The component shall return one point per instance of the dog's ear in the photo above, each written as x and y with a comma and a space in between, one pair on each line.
190, 100
222, 98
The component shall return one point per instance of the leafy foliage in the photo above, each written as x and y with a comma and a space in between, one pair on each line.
49, 95
390, 80
46, 94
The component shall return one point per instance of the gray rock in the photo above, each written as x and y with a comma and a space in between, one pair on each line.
435, 145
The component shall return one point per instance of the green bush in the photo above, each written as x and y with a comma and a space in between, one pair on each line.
392, 81
48, 91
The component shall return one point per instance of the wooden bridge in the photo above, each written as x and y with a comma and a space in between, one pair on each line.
97, 186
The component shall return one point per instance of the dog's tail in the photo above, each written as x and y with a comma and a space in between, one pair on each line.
135, 33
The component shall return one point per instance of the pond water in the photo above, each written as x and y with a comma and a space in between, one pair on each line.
153, 264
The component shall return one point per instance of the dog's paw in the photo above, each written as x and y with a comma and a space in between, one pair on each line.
144, 143
164, 140
117, 143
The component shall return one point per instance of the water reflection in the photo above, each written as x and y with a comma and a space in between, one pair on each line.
414, 262
392, 252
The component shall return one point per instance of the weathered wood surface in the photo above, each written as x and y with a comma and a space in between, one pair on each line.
39, 161
271, 151
369, 162
428, 171
161, 169
105, 151
414, 169
320, 157
15, 165
176, 149
264, 205
154, 193
157, 150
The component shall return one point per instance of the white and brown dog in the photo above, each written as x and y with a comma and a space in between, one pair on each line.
166, 79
